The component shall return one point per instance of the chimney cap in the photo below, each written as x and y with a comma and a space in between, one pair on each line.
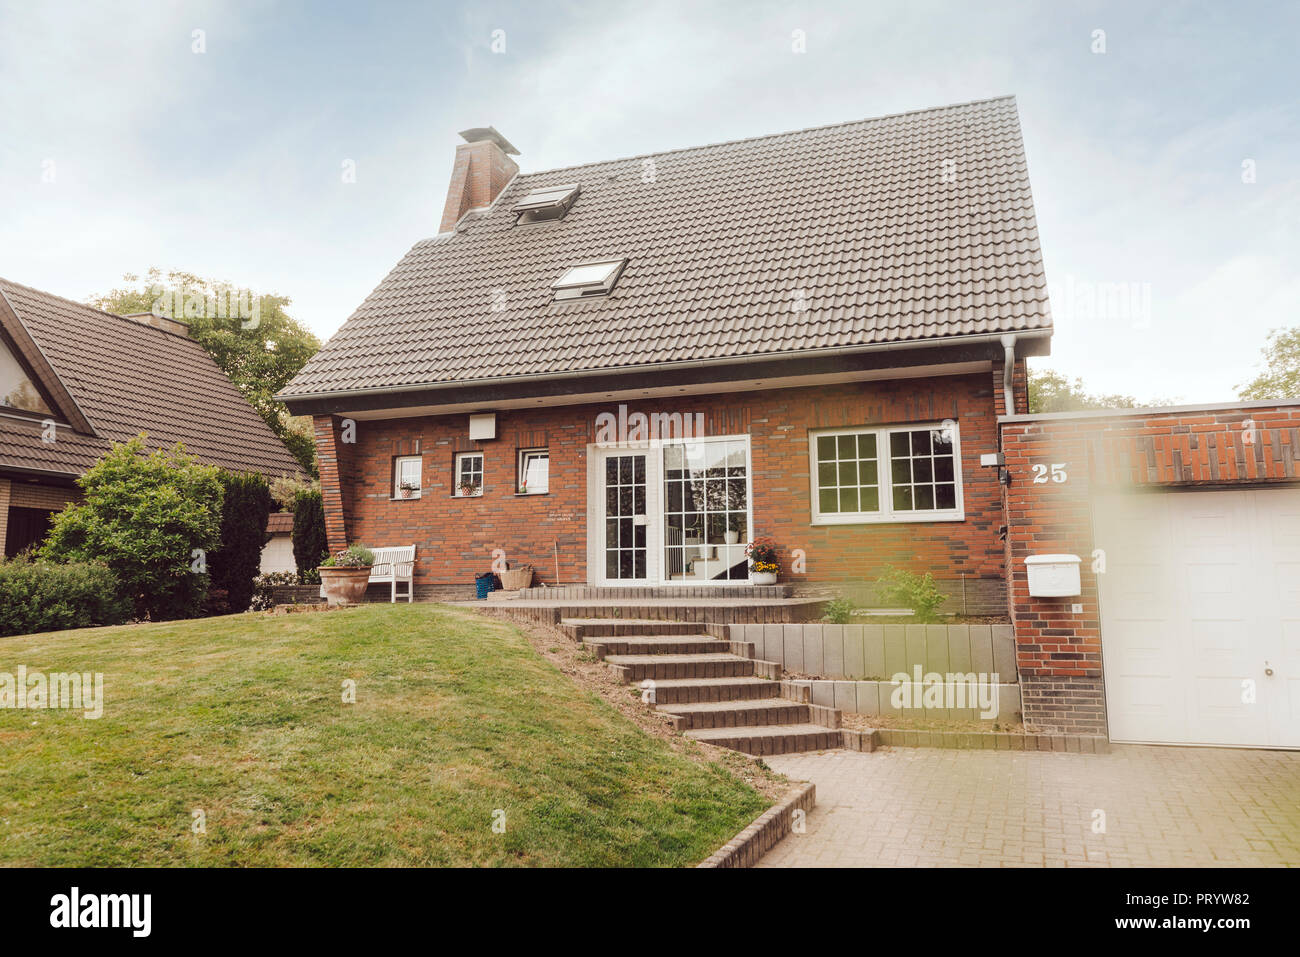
479, 133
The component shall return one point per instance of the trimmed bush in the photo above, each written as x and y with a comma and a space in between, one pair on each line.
153, 518
42, 596
310, 544
245, 507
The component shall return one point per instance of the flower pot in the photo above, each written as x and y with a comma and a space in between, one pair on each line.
406, 492
731, 536
762, 578
344, 586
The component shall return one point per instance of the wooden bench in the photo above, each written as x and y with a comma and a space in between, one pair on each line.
395, 565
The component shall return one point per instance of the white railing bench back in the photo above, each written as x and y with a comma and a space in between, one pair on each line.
395, 565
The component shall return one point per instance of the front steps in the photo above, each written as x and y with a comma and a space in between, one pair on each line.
712, 689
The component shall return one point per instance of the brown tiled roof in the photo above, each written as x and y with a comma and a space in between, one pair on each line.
861, 223
128, 378
278, 522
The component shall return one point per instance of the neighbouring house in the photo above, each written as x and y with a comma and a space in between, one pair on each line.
623, 371
277, 554
74, 379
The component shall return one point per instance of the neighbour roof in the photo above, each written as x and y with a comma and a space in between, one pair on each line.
279, 522
128, 378
909, 227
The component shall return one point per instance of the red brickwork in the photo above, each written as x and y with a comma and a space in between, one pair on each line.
1059, 652
456, 536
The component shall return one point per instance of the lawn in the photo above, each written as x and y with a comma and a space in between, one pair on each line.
242, 718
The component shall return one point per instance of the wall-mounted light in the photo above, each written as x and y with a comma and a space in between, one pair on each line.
996, 460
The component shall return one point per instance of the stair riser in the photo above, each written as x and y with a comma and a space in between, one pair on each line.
700, 695
784, 744
745, 718
583, 632
600, 648
739, 668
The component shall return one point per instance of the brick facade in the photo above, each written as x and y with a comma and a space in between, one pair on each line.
456, 536
1058, 652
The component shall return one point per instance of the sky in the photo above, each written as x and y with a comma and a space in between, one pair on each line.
1163, 140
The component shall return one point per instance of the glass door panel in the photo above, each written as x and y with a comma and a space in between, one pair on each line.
706, 511
626, 518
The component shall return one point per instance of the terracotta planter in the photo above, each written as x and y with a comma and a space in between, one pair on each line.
344, 586
762, 578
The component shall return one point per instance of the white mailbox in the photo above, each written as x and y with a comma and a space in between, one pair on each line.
1053, 576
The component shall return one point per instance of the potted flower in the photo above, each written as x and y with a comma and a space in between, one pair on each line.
763, 564
469, 488
344, 575
734, 528
407, 489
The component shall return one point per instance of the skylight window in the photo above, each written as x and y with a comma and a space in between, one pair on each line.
550, 202
588, 279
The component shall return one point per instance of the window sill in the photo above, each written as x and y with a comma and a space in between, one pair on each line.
408, 498
896, 519
531, 494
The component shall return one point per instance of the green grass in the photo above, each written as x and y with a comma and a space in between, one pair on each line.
242, 717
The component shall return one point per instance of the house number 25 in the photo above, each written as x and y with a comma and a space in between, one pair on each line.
1057, 474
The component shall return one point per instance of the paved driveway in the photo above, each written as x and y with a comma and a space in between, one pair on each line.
1163, 807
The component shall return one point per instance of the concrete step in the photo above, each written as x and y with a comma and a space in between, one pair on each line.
634, 593
639, 667
658, 645
772, 739
739, 714
690, 690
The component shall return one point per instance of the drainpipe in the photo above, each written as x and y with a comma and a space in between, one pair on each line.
1008, 373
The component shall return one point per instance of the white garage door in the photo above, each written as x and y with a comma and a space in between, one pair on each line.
1200, 600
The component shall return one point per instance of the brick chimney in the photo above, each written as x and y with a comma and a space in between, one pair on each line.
483, 167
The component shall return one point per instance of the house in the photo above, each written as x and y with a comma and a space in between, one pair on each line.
623, 371
74, 379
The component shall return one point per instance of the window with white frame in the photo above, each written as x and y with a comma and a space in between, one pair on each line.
534, 471
406, 476
469, 473
896, 474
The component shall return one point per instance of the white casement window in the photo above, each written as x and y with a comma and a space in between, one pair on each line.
469, 473
534, 471
906, 473
406, 476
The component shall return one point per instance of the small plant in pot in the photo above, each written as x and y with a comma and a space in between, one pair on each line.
407, 489
763, 564
734, 528
467, 489
345, 574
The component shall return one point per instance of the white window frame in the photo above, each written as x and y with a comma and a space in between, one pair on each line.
522, 470
884, 467
397, 476
457, 472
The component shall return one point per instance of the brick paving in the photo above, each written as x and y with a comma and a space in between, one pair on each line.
1170, 807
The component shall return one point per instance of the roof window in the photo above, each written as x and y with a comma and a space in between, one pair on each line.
588, 279
549, 202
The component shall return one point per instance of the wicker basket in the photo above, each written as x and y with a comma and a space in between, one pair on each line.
517, 578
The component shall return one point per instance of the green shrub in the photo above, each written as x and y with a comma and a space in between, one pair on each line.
264, 587
310, 545
838, 611
244, 510
917, 592
153, 518
43, 596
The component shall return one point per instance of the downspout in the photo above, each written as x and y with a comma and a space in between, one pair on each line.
1008, 373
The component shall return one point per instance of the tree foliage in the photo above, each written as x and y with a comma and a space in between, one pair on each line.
244, 510
144, 516
1281, 376
260, 352
310, 543
1049, 391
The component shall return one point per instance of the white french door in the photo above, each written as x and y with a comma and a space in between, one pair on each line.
669, 513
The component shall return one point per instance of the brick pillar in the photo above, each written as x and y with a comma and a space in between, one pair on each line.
4, 513
335, 462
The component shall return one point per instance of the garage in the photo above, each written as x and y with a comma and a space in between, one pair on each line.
1200, 615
